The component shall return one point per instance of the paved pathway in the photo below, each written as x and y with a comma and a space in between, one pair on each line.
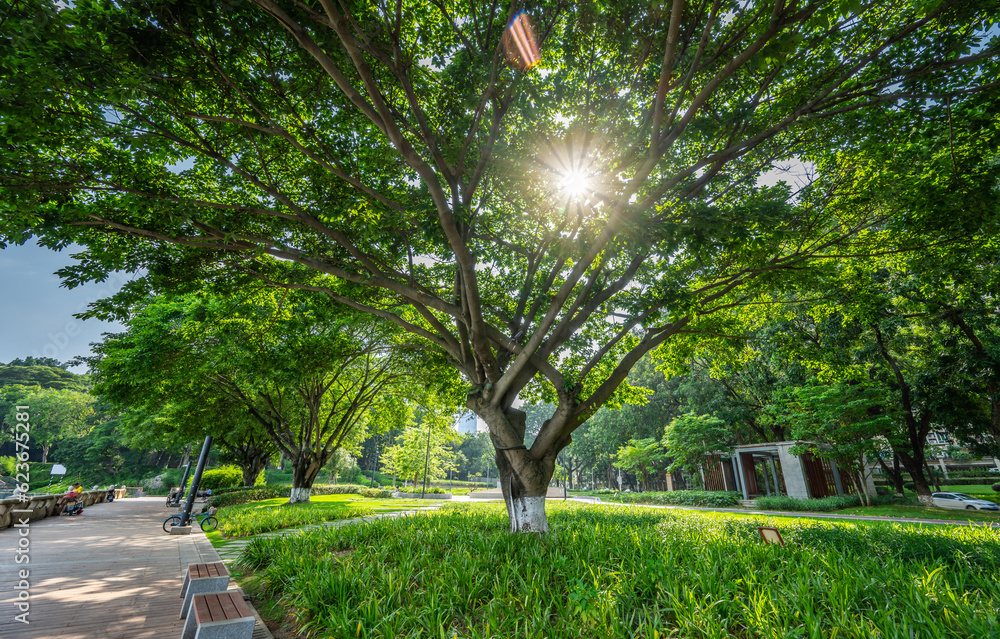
110, 573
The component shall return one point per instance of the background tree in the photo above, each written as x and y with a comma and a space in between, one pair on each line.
475, 449
691, 438
425, 450
43, 376
644, 457
49, 362
845, 422
546, 228
312, 386
55, 415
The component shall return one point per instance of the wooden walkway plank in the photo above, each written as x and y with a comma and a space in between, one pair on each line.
110, 573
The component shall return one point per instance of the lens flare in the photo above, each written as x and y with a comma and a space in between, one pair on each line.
574, 184
520, 44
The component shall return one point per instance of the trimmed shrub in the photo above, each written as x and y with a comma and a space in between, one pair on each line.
985, 472
717, 499
222, 477
229, 476
996, 487
419, 489
245, 495
826, 504
7, 466
954, 482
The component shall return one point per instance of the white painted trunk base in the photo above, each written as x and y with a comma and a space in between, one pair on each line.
299, 494
527, 514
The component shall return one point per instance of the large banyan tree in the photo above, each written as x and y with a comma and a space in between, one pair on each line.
543, 193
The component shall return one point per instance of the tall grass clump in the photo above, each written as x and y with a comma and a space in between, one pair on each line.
244, 522
619, 571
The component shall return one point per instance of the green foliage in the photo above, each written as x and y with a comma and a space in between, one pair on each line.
426, 442
690, 438
56, 414
625, 572
226, 477
38, 361
8, 465
261, 372
434, 490
826, 504
644, 457
222, 132
245, 495
244, 521
972, 473
716, 499
44, 376
955, 481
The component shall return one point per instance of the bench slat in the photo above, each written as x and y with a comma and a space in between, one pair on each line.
228, 608
220, 607
200, 571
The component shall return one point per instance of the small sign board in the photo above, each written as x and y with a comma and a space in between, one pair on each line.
770, 535
57, 469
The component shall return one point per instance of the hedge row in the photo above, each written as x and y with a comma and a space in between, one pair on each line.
826, 504
954, 481
678, 498
434, 490
246, 495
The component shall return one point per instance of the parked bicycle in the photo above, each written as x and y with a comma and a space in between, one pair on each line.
206, 521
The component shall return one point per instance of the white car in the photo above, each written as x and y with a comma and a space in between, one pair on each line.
962, 502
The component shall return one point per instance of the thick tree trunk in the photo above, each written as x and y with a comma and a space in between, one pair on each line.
45, 453
186, 459
252, 470
304, 471
915, 467
523, 479
252, 460
894, 474
931, 477
524, 497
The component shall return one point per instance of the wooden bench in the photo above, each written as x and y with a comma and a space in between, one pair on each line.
202, 578
219, 615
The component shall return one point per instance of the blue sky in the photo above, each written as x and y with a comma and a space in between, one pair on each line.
37, 317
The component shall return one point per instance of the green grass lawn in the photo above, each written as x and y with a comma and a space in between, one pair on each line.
970, 488
275, 514
620, 571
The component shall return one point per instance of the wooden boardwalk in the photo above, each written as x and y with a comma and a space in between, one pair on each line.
110, 573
